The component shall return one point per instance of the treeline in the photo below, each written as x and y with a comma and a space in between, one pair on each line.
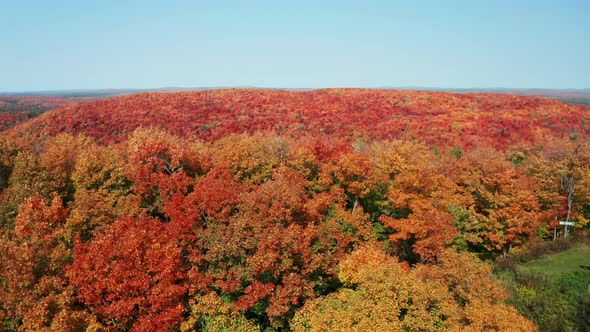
15, 109
263, 231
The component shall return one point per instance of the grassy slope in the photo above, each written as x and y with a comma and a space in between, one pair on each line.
563, 262
553, 290
554, 265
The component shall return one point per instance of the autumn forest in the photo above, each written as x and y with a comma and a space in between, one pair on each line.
277, 210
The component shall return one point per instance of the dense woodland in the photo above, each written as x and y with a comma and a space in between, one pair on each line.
246, 210
15, 109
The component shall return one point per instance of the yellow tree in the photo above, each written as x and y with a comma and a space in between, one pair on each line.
380, 294
478, 297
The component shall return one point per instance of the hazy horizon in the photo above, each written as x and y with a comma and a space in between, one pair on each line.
181, 88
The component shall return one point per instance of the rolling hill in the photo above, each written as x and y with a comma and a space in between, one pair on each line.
467, 120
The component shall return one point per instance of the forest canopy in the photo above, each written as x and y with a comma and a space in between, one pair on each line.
340, 209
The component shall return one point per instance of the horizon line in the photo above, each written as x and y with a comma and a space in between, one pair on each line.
384, 87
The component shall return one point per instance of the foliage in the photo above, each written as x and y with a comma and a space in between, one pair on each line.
17, 109
381, 294
277, 210
484, 119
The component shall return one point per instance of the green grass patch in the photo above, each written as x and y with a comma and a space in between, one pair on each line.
560, 263
551, 290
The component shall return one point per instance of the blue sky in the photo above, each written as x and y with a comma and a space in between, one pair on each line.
50, 45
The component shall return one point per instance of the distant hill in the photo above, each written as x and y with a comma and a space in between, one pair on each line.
571, 96
81, 93
437, 118
576, 97
15, 109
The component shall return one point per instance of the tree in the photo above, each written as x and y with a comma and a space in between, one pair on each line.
561, 168
380, 294
35, 293
103, 192
479, 297
144, 260
420, 193
505, 201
